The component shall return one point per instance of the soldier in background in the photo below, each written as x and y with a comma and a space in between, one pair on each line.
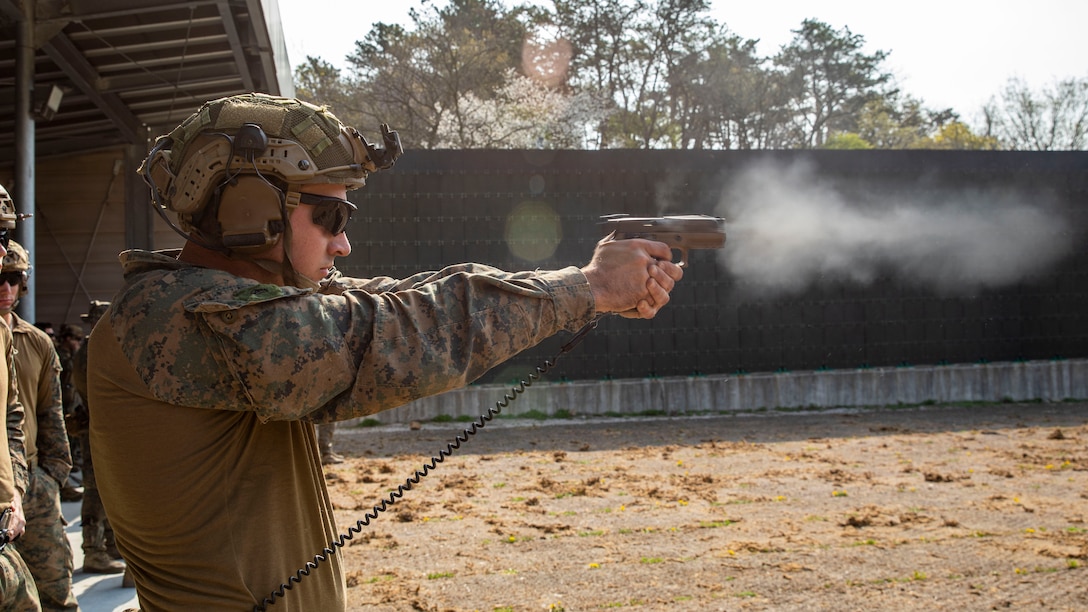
17, 590
75, 415
49, 330
100, 554
325, 433
44, 547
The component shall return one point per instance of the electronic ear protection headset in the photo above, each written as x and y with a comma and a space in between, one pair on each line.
250, 210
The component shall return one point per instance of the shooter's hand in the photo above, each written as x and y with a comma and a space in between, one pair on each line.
632, 277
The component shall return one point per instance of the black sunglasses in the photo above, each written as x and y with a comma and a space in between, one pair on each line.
330, 213
5, 237
12, 278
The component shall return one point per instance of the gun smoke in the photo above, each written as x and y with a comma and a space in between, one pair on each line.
789, 230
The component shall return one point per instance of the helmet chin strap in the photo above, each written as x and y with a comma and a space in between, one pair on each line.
285, 269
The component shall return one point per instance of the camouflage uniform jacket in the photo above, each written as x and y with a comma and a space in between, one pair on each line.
38, 369
205, 383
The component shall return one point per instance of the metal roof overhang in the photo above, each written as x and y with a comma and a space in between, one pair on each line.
130, 70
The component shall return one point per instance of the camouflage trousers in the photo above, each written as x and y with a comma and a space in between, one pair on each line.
97, 532
45, 547
17, 592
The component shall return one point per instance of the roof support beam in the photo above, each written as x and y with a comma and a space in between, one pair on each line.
274, 81
236, 46
61, 50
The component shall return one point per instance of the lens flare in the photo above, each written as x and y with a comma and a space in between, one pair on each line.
533, 231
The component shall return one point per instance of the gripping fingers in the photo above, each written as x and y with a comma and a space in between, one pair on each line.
658, 287
666, 274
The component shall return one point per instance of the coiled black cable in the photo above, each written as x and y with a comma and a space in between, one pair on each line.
515, 392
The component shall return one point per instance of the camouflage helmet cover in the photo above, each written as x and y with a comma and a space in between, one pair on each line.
8, 215
95, 310
306, 144
17, 259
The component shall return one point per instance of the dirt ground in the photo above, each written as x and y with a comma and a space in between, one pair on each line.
944, 507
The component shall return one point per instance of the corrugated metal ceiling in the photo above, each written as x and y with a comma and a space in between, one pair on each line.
132, 69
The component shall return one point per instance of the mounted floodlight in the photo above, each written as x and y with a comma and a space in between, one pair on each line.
47, 102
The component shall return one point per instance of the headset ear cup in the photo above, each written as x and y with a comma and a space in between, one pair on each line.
250, 214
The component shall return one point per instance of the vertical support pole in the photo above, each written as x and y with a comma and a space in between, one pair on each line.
24, 148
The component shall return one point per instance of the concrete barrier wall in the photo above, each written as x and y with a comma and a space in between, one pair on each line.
991, 382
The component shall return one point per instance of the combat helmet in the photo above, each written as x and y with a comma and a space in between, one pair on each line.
8, 216
17, 260
95, 310
234, 167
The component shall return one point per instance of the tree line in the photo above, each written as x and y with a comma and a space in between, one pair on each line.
656, 74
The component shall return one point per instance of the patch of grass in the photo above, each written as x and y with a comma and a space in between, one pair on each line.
536, 415
715, 524
369, 423
651, 560
440, 575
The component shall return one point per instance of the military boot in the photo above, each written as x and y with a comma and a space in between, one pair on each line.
98, 562
324, 442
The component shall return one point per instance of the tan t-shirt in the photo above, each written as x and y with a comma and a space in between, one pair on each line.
37, 368
206, 504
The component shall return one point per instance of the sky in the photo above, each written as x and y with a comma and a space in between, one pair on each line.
950, 53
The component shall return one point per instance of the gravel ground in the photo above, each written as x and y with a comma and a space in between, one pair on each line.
975, 507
